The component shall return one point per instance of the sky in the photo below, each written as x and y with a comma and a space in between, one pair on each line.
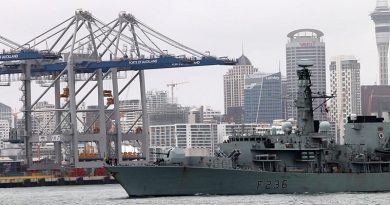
222, 27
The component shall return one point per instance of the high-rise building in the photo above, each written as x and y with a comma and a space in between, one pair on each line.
375, 100
381, 18
234, 82
285, 104
305, 44
263, 97
345, 84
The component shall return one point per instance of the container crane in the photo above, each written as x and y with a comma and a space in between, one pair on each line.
103, 61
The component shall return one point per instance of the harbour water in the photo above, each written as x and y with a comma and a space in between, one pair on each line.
114, 194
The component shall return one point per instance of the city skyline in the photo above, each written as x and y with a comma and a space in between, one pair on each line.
264, 43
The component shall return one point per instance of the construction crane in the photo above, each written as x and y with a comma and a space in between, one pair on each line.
173, 85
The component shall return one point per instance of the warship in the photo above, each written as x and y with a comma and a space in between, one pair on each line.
302, 160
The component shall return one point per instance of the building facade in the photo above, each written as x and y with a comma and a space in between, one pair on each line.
184, 136
44, 122
345, 84
4, 133
210, 115
6, 113
263, 97
305, 44
285, 104
5, 124
155, 99
162, 112
131, 118
195, 115
381, 18
163, 136
234, 83
375, 100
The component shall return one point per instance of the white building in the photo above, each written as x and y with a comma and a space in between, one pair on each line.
184, 136
6, 113
234, 83
44, 121
131, 115
345, 84
210, 115
156, 99
195, 115
4, 133
305, 44
163, 135
82, 116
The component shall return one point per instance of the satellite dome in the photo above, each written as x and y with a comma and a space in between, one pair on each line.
287, 127
324, 126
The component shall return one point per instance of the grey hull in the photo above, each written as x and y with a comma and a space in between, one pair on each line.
173, 181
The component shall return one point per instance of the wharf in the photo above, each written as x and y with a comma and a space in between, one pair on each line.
48, 180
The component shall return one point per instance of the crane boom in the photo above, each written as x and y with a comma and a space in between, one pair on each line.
124, 64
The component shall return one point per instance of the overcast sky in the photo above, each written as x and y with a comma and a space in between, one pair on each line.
218, 26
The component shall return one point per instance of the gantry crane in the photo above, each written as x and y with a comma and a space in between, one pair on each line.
61, 60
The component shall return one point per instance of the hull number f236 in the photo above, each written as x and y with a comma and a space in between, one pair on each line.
272, 184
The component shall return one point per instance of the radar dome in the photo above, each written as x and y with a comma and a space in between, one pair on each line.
324, 126
287, 127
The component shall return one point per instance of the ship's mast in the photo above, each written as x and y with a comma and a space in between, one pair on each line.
304, 100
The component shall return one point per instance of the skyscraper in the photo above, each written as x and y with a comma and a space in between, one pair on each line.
305, 44
381, 18
233, 82
263, 98
345, 84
